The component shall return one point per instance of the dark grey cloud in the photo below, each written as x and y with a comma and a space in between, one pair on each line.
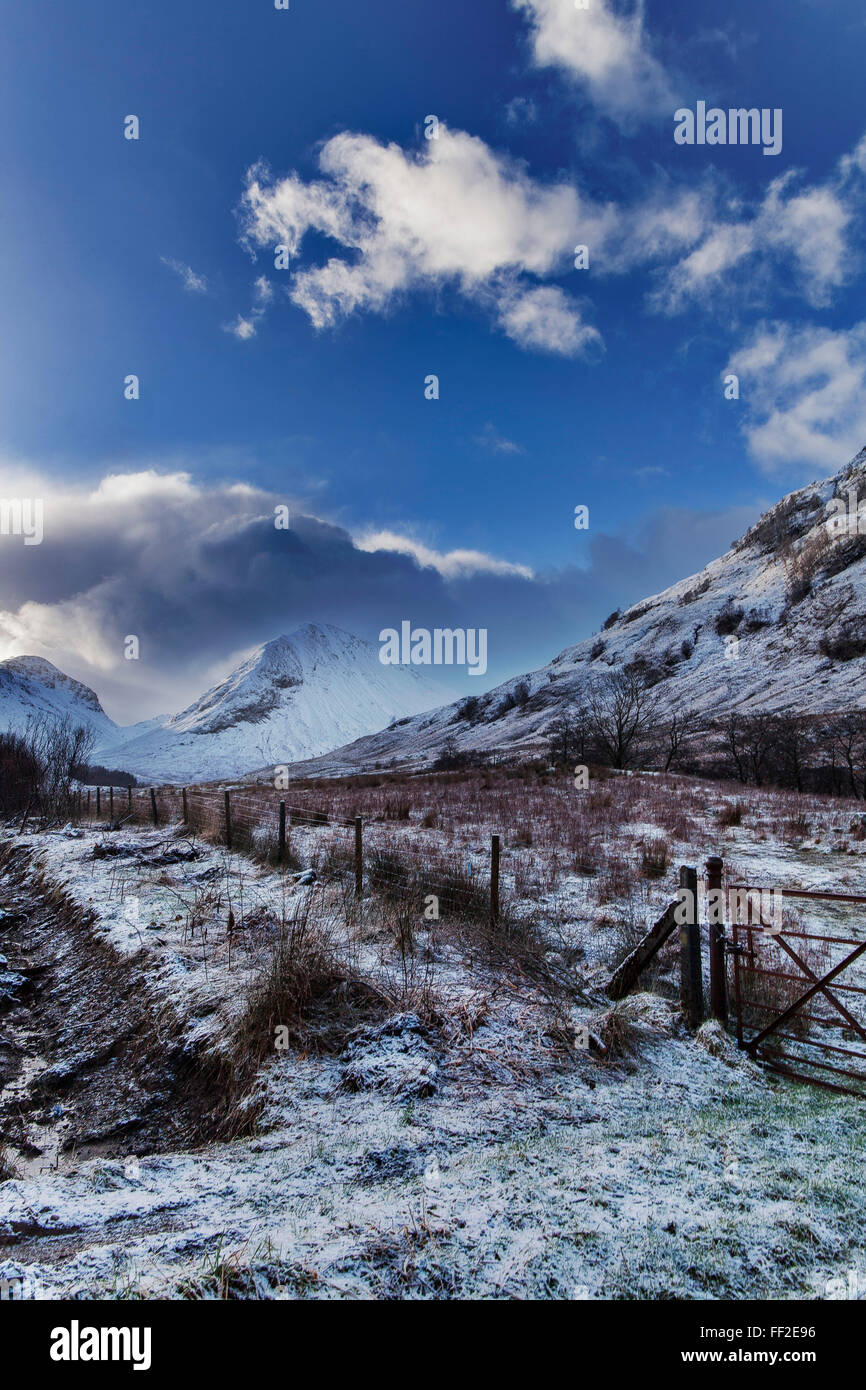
200, 574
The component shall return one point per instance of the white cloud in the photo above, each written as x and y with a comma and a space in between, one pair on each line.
191, 280
451, 564
604, 50
245, 327
806, 395
454, 214
490, 438
120, 489
547, 320
850, 165
242, 328
806, 230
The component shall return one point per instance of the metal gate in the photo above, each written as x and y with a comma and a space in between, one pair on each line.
800, 989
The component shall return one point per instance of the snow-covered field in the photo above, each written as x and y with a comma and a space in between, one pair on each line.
454, 1139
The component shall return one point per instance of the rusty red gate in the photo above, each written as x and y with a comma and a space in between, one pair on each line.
800, 987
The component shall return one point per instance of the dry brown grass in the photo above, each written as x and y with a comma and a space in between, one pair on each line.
308, 994
655, 857
7, 1167
731, 814
615, 880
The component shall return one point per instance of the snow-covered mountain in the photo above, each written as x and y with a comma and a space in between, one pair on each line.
293, 698
778, 624
31, 688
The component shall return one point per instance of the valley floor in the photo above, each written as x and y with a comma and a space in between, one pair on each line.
433, 1131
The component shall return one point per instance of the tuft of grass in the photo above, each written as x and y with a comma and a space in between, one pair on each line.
391, 876
619, 1035
302, 987
7, 1167
615, 880
263, 845
655, 856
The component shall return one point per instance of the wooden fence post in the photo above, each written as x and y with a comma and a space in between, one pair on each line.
111, 803
185, 807
129, 801
88, 804
228, 819
691, 971
281, 852
359, 859
494, 881
627, 973
716, 920
153, 806
97, 800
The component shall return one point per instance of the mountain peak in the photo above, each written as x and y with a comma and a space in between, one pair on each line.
31, 686
294, 696
319, 636
36, 667
775, 625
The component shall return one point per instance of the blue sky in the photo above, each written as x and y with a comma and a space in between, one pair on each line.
410, 257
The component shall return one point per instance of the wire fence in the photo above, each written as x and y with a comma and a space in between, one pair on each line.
437, 882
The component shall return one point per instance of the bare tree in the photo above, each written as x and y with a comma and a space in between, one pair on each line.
567, 736
848, 739
57, 747
750, 739
793, 741
19, 775
679, 729
735, 740
621, 708
759, 733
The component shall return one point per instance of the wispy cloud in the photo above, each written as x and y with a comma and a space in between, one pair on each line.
521, 111
451, 564
490, 438
809, 232
190, 279
805, 389
247, 326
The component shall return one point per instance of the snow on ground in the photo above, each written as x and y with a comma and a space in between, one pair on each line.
519, 1167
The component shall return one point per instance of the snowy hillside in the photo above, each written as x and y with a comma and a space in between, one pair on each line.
294, 698
31, 688
778, 623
